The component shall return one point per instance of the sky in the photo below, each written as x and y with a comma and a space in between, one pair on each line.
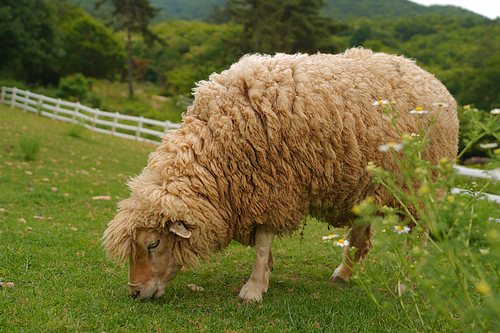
488, 8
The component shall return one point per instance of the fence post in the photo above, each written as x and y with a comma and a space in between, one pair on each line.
13, 100
2, 100
96, 116
139, 127
167, 126
39, 105
26, 100
115, 121
75, 113
56, 110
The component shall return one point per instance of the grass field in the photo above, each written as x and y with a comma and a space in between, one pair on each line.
50, 231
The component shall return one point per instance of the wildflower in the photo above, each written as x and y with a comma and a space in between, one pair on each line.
495, 111
391, 146
444, 160
406, 136
488, 145
451, 198
423, 190
418, 110
356, 209
494, 219
325, 238
441, 105
484, 251
342, 242
370, 167
483, 288
401, 230
381, 102
496, 151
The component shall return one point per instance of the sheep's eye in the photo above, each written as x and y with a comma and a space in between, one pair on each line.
153, 245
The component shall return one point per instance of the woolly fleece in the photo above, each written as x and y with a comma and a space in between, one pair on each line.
276, 138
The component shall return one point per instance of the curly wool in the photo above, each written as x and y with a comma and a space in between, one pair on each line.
275, 138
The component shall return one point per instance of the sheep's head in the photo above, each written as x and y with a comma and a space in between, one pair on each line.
152, 266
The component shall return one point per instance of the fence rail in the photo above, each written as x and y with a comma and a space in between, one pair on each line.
114, 123
97, 120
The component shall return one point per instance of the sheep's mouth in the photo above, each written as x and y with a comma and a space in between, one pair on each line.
153, 297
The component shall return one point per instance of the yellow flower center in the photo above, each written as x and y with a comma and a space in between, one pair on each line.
419, 109
400, 227
330, 235
341, 241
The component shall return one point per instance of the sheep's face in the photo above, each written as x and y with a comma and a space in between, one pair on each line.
152, 267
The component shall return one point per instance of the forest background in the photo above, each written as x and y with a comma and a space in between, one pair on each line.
71, 49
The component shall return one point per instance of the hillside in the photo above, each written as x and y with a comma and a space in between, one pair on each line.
339, 9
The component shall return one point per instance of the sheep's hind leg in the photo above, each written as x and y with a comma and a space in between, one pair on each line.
359, 238
259, 280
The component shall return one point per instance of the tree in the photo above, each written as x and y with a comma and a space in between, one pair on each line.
283, 25
30, 43
136, 14
91, 48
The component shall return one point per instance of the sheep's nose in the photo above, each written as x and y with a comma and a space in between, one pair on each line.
135, 294
134, 290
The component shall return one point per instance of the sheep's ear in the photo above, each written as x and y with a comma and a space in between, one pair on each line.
179, 229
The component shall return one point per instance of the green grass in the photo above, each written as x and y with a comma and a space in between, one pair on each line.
64, 282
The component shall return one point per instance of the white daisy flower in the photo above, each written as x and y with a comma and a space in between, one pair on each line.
330, 237
488, 145
443, 105
381, 102
418, 110
391, 146
495, 111
342, 242
401, 230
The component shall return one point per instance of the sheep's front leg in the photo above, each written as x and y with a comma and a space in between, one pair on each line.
359, 238
259, 280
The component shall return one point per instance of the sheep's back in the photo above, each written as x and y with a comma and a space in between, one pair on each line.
291, 135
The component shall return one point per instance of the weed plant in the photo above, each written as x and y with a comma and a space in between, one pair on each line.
453, 283
30, 146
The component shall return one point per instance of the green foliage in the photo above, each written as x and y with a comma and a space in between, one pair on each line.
76, 87
283, 26
191, 10
192, 51
452, 285
91, 49
31, 45
30, 146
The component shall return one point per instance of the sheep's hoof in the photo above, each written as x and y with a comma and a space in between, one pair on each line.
338, 279
252, 292
341, 274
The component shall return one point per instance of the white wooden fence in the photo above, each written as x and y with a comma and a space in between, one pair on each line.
114, 123
97, 120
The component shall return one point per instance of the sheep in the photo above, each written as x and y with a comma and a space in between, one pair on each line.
269, 141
